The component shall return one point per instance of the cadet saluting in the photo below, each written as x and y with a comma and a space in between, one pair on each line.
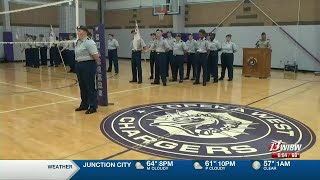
202, 57
87, 56
227, 57
191, 44
179, 47
113, 46
263, 42
136, 58
214, 47
160, 45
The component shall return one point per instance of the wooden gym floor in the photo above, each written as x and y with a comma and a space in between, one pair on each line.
38, 121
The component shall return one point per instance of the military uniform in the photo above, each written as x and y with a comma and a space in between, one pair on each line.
86, 72
152, 58
191, 58
227, 58
136, 61
202, 60
35, 53
54, 52
263, 44
28, 52
179, 47
113, 46
160, 45
71, 56
170, 55
214, 47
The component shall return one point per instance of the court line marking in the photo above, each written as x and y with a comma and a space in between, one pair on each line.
40, 90
41, 105
136, 89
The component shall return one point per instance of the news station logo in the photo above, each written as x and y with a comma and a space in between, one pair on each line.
280, 149
203, 130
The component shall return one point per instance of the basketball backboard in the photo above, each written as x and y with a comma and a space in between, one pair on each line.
171, 7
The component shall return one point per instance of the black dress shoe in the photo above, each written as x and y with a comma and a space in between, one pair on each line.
90, 111
155, 83
229, 79
215, 81
220, 79
140, 82
195, 83
180, 81
133, 81
151, 77
164, 84
192, 79
81, 108
204, 84
186, 78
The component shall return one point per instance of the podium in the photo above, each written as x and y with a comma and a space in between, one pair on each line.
256, 62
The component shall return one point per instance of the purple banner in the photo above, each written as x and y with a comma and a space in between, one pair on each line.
99, 38
8, 48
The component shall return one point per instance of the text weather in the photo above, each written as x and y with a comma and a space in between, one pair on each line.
218, 165
159, 165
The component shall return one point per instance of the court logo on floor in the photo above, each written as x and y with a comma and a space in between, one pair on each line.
200, 130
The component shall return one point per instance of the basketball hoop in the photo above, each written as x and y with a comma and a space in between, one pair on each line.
161, 14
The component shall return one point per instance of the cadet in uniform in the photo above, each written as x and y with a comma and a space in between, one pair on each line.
160, 45
227, 57
191, 44
136, 59
170, 41
27, 48
214, 47
87, 56
179, 47
263, 42
43, 50
152, 55
54, 52
202, 57
113, 46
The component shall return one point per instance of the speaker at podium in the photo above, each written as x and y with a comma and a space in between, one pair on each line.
256, 62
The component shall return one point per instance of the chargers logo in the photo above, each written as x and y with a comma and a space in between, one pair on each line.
201, 130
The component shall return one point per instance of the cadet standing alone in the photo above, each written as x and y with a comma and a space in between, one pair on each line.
136, 58
87, 56
152, 55
202, 57
227, 57
160, 45
214, 47
191, 44
113, 46
179, 48
263, 42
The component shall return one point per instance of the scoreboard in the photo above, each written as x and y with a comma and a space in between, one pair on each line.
158, 169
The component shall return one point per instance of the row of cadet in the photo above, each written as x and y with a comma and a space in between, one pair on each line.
165, 53
36, 51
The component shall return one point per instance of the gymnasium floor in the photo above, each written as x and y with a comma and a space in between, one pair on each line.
38, 121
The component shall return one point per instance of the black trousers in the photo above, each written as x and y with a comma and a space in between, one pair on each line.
43, 55
227, 63
54, 56
152, 62
213, 65
177, 65
86, 74
169, 62
35, 57
161, 68
191, 63
113, 57
136, 66
28, 53
201, 62
71, 60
